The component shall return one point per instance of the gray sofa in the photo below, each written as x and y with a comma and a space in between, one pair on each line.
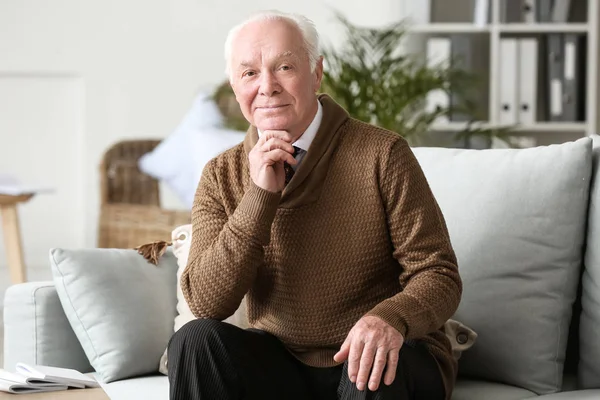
526, 228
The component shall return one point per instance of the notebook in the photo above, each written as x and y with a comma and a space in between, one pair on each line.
40, 378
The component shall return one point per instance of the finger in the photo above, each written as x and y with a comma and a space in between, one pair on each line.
276, 143
278, 155
342, 355
378, 367
392, 365
366, 363
265, 136
283, 135
356, 349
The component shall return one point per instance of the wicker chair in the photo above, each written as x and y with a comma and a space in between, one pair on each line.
130, 212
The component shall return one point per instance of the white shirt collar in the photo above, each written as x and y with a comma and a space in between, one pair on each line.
309, 134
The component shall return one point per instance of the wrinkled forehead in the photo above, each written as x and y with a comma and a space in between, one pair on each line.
267, 40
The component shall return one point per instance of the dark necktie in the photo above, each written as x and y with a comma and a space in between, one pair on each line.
289, 171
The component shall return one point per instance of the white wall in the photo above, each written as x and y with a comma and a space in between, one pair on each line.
41, 120
79, 75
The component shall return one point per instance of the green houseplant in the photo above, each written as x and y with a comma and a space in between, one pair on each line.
376, 83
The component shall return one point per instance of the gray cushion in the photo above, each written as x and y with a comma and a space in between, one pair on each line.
120, 307
589, 327
517, 222
482, 390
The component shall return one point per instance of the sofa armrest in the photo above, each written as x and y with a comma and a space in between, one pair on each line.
37, 331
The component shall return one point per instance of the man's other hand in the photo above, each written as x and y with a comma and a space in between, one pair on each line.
371, 345
267, 157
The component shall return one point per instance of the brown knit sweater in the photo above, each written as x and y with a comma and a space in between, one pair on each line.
356, 232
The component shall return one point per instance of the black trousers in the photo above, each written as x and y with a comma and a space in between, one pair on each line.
208, 359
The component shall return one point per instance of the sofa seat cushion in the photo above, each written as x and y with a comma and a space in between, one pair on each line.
151, 387
467, 389
590, 394
156, 387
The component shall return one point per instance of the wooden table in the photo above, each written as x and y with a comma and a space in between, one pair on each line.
12, 235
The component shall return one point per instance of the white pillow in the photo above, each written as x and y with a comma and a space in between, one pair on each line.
182, 237
203, 147
179, 159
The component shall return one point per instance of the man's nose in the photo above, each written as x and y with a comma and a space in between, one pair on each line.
269, 85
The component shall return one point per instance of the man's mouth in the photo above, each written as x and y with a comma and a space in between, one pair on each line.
272, 107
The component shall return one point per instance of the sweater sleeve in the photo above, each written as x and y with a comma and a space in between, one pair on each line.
225, 252
429, 276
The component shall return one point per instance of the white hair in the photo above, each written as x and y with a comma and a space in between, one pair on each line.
306, 27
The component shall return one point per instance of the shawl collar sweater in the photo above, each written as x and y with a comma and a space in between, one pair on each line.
356, 232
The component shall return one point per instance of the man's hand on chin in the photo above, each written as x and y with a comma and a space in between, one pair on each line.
371, 345
267, 157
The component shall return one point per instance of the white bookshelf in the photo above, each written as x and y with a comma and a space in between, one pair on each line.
453, 27
543, 28
538, 127
455, 17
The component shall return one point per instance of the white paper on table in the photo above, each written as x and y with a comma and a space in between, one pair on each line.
10, 185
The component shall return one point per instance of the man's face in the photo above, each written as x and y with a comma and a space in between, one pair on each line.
271, 77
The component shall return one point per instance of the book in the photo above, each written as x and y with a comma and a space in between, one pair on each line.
15, 383
40, 378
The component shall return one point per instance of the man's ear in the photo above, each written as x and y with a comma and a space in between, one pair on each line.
318, 74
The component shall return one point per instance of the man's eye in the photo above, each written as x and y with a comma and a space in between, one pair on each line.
248, 73
286, 67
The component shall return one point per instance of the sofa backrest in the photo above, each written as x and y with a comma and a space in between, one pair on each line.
589, 328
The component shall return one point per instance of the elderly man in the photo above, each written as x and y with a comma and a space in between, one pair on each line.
329, 227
